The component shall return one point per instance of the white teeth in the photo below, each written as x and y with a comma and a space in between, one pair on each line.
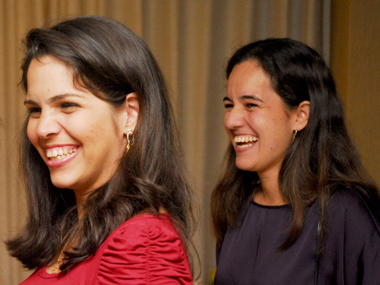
245, 139
59, 153
244, 145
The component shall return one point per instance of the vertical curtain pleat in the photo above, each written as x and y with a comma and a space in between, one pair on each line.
160, 33
127, 12
192, 41
12, 210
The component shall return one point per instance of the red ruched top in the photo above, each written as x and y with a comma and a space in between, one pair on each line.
146, 249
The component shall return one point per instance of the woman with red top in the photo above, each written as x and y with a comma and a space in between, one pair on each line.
107, 197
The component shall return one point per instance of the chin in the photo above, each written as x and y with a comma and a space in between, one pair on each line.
59, 183
245, 167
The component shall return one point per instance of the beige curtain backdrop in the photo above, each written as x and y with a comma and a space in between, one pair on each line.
192, 40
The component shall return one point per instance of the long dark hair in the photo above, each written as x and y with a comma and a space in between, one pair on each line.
111, 61
321, 158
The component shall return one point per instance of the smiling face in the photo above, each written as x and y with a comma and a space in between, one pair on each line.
80, 137
257, 121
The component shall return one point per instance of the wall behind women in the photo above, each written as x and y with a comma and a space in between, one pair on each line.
355, 62
192, 40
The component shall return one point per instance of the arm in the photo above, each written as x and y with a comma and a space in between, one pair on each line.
352, 248
362, 244
146, 250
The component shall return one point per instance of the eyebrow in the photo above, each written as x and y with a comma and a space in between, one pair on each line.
54, 98
244, 97
250, 97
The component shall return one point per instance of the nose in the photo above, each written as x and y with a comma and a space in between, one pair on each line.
47, 126
234, 118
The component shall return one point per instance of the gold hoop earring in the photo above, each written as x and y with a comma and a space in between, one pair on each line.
130, 140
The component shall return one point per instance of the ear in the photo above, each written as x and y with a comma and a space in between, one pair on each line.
132, 111
302, 115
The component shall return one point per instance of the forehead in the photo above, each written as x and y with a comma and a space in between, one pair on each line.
49, 75
48, 62
48, 69
247, 77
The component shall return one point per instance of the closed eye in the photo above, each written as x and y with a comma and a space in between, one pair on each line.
250, 105
34, 112
69, 107
228, 105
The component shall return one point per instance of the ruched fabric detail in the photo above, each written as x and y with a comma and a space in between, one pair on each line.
144, 250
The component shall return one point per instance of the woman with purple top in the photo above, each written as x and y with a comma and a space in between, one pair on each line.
294, 204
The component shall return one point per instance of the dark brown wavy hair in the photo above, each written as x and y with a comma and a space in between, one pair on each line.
110, 61
321, 158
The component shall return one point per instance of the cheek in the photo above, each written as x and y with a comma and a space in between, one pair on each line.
99, 132
282, 135
257, 122
271, 127
104, 132
82, 128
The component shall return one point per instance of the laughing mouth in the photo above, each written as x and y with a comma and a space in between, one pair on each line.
245, 141
59, 153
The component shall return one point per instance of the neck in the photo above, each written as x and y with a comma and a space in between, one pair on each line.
269, 192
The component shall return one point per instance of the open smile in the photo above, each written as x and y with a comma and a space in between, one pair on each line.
58, 153
245, 141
